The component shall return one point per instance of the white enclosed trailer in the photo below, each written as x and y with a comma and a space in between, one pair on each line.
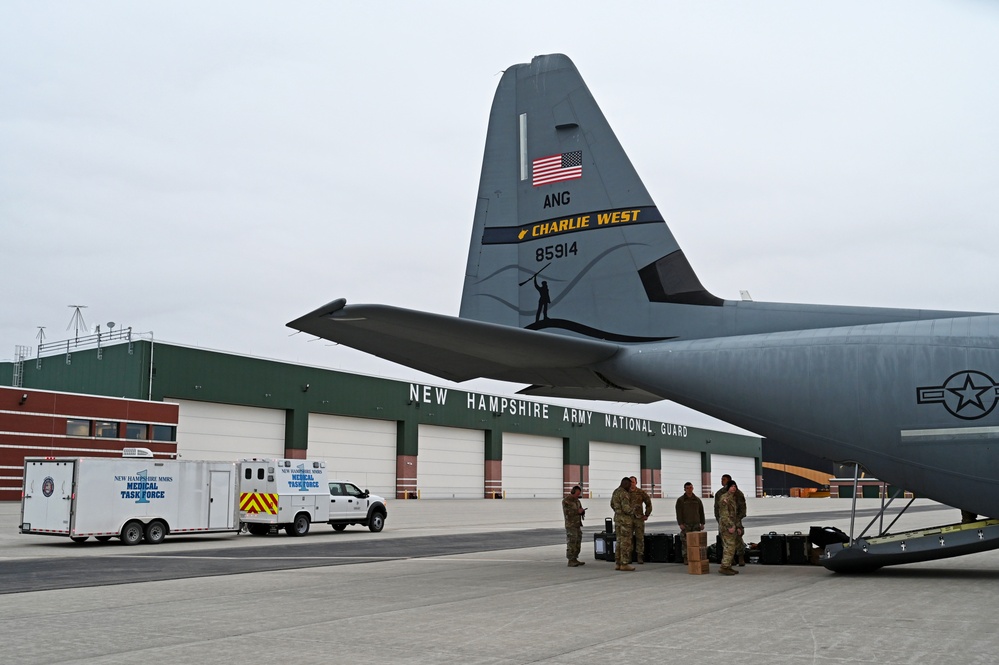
128, 498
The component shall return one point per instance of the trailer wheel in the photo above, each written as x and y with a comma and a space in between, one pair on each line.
339, 527
131, 533
79, 539
156, 531
258, 529
376, 522
102, 539
299, 527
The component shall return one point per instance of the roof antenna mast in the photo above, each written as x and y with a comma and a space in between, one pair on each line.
77, 321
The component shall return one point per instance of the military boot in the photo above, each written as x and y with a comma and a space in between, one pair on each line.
573, 563
727, 570
625, 566
742, 559
577, 562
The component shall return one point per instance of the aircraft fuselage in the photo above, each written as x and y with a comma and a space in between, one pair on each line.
908, 399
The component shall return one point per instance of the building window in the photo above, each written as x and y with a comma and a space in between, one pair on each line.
77, 427
106, 429
136, 431
164, 433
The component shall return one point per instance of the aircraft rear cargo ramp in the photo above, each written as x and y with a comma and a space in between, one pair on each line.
868, 554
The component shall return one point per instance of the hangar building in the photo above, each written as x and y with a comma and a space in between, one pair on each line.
396, 438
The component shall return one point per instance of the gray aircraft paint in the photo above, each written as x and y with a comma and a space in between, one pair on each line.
907, 393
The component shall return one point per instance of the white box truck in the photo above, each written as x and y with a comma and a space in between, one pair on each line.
132, 498
283, 493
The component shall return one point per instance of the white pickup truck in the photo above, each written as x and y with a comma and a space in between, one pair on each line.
352, 505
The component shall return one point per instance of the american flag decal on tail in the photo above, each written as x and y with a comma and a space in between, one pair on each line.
556, 168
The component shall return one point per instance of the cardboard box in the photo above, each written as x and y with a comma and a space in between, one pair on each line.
697, 553
697, 539
702, 567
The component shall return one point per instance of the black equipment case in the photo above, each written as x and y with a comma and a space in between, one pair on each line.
773, 548
797, 548
658, 547
603, 546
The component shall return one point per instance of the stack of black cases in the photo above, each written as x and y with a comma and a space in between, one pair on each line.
773, 548
659, 547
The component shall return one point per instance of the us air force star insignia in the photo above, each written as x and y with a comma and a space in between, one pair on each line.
968, 395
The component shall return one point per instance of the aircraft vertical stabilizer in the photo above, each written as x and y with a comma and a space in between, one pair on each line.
565, 236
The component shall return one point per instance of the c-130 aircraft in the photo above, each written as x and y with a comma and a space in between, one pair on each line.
576, 286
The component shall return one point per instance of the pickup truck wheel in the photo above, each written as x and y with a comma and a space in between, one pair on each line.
339, 527
79, 539
376, 522
156, 531
131, 533
299, 527
258, 529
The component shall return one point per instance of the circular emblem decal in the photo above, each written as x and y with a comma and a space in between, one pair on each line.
967, 395
48, 486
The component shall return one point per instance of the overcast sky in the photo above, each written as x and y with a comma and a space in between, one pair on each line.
211, 171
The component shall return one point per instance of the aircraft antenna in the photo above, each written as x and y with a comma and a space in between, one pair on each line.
41, 335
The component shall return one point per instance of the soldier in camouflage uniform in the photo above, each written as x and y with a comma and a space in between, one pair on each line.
725, 479
728, 519
689, 515
621, 502
573, 512
740, 498
641, 498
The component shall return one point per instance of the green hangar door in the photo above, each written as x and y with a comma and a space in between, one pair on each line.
358, 450
213, 431
532, 466
609, 463
451, 463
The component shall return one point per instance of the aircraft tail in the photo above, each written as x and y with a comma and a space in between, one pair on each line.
566, 242
566, 238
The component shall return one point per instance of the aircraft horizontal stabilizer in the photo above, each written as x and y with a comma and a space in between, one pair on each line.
459, 349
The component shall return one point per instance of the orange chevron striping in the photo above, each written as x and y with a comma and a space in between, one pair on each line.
253, 502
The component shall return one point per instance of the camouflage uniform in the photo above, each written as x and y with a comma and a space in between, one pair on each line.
718, 496
690, 517
740, 503
573, 527
639, 498
621, 502
728, 518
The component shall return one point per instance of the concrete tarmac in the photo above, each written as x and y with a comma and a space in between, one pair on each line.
414, 598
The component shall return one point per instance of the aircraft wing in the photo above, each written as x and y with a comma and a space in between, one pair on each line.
460, 349
609, 392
